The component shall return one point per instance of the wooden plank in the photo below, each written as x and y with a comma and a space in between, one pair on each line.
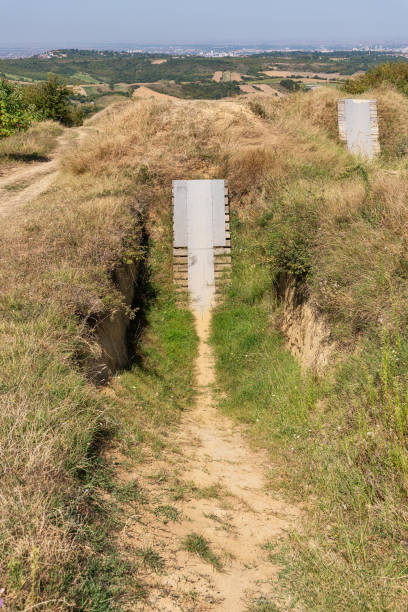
180, 252
222, 268
221, 251
180, 260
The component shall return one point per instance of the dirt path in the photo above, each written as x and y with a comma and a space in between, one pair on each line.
224, 500
22, 185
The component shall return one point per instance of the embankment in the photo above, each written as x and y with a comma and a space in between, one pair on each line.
301, 206
332, 226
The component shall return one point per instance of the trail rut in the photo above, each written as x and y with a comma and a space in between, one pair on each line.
228, 504
20, 186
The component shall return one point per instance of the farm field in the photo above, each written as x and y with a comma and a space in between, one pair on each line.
115, 70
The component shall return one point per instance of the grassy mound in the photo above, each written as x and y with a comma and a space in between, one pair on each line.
307, 210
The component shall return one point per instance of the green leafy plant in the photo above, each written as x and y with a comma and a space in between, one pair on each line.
15, 114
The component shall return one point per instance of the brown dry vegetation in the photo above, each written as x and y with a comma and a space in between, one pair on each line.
57, 259
34, 145
318, 214
336, 225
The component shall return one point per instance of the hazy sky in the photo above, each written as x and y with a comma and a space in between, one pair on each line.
192, 21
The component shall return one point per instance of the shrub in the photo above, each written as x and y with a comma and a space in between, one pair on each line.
290, 85
51, 100
390, 73
15, 115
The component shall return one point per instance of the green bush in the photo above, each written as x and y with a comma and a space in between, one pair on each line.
290, 85
15, 114
390, 73
292, 227
51, 100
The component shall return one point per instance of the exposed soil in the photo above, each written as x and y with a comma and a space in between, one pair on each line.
261, 89
23, 184
146, 92
288, 73
248, 89
228, 504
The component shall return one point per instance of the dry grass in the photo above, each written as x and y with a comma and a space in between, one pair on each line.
56, 266
337, 224
34, 145
322, 213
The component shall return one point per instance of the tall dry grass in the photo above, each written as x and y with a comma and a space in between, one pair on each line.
336, 224
34, 145
56, 264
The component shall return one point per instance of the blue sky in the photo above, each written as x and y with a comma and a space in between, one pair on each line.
192, 21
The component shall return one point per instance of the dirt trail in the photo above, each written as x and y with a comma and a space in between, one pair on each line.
20, 186
228, 505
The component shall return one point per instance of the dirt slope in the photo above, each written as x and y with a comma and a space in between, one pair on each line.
20, 186
146, 92
224, 500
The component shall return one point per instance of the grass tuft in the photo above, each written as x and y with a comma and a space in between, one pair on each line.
151, 558
198, 545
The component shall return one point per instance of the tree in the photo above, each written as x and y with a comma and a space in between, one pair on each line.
51, 100
290, 85
15, 114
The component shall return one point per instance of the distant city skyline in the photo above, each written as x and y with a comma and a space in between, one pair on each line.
220, 49
102, 22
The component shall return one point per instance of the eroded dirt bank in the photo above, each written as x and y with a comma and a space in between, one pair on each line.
215, 485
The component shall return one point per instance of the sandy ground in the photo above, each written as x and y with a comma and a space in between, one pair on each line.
286, 73
270, 91
159, 61
264, 90
22, 185
248, 89
145, 92
237, 522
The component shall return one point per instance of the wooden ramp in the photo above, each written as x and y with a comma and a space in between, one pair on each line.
202, 240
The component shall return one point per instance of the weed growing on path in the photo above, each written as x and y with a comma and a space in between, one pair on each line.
198, 545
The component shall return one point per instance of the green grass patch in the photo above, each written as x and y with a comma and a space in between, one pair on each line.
83, 77
198, 545
168, 513
150, 558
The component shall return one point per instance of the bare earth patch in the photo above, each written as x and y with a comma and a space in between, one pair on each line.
288, 73
36, 177
247, 89
146, 92
214, 521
